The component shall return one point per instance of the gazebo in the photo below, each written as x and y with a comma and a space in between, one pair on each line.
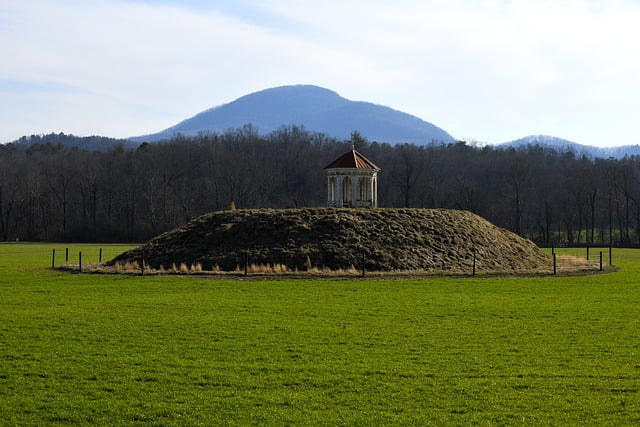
352, 181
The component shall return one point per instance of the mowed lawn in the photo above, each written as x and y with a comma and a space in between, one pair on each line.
94, 349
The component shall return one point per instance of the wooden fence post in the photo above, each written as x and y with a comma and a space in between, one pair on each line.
80, 262
100, 256
66, 255
53, 258
600, 260
555, 264
610, 263
587, 253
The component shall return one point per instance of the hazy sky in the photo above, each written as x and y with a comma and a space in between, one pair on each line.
484, 70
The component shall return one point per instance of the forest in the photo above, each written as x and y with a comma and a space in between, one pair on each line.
50, 191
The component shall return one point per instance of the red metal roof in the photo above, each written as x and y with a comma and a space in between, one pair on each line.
352, 160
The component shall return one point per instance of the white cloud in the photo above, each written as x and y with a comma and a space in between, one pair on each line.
486, 69
490, 69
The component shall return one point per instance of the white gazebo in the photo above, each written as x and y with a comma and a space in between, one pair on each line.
352, 182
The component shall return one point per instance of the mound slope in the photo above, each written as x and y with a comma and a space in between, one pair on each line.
390, 239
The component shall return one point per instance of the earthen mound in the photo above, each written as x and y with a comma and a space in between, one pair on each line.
387, 239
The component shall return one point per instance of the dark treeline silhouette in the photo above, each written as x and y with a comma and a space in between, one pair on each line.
50, 192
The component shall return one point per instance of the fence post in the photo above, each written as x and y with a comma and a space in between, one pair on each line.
66, 255
53, 258
474, 262
553, 250
555, 264
80, 261
100, 256
587, 253
610, 263
600, 260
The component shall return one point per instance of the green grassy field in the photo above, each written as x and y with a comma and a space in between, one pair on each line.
93, 349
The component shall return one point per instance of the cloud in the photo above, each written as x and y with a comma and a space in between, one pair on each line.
133, 54
498, 68
485, 69
151, 59
34, 87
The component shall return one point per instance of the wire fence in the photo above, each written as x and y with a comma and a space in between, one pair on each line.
564, 260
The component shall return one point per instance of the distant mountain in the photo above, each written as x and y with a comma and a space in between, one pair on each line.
560, 144
315, 108
90, 143
548, 142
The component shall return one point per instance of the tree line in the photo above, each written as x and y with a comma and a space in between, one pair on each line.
52, 192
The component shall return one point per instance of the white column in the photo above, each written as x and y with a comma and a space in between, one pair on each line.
339, 184
370, 196
355, 189
374, 196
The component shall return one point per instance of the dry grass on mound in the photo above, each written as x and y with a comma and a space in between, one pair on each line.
566, 265
389, 240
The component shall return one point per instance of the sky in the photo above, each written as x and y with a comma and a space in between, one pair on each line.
484, 70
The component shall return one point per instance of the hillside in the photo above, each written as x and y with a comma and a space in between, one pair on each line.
391, 239
59, 140
315, 108
563, 145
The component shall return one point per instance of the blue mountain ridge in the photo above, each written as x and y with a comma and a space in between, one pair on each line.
317, 109
566, 145
324, 111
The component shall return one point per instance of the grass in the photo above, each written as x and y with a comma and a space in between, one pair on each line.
186, 350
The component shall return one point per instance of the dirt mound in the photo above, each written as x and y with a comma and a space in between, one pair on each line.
388, 239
